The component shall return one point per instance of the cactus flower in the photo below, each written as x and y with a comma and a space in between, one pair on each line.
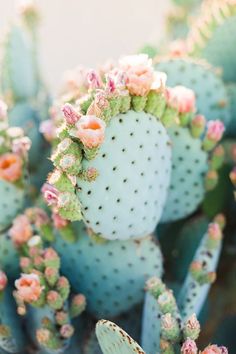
3, 280
189, 347
215, 130
94, 80
214, 349
21, 146
28, 287
70, 114
159, 80
91, 131
181, 98
139, 71
21, 230
10, 167
58, 221
3, 111
50, 194
48, 129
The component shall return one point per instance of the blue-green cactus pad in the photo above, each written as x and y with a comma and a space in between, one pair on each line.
19, 76
127, 198
231, 89
9, 318
189, 165
220, 49
111, 275
9, 259
11, 203
113, 340
26, 116
151, 325
211, 94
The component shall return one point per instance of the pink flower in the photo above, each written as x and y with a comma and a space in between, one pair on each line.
159, 80
58, 221
199, 121
21, 230
3, 280
28, 287
215, 130
214, 349
178, 48
181, 98
10, 167
110, 84
94, 80
70, 114
50, 194
48, 129
91, 131
139, 71
21, 146
3, 110
189, 347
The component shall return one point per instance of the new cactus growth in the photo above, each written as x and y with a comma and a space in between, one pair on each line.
42, 294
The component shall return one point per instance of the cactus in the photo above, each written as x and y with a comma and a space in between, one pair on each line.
42, 294
137, 138
11, 334
211, 36
115, 286
13, 169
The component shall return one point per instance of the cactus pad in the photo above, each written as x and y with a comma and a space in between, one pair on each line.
9, 260
128, 196
115, 286
211, 94
189, 165
113, 340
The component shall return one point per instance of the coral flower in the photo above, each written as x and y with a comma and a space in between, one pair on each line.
21, 230
58, 221
3, 280
28, 287
215, 130
139, 72
181, 98
214, 349
91, 131
10, 167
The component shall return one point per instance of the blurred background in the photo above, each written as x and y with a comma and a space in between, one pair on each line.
88, 32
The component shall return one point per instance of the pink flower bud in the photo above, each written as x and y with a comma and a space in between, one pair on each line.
100, 100
28, 287
58, 221
181, 98
189, 347
91, 131
50, 194
94, 80
199, 121
70, 114
214, 231
3, 280
25, 262
215, 130
21, 146
21, 230
67, 331
110, 84
48, 129
178, 48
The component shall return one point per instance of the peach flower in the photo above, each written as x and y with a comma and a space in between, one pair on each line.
139, 71
178, 48
21, 230
58, 221
214, 349
181, 98
28, 287
10, 167
3, 280
215, 130
91, 131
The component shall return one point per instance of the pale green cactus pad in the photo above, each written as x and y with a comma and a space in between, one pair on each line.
189, 166
211, 94
113, 340
116, 285
19, 78
11, 202
231, 89
127, 198
9, 259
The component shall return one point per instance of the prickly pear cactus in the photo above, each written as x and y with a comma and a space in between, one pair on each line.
113, 161
193, 166
11, 334
116, 285
42, 294
13, 169
9, 260
212, 36
114, 340
211, 94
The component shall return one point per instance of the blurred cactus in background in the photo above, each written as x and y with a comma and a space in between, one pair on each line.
127, 255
